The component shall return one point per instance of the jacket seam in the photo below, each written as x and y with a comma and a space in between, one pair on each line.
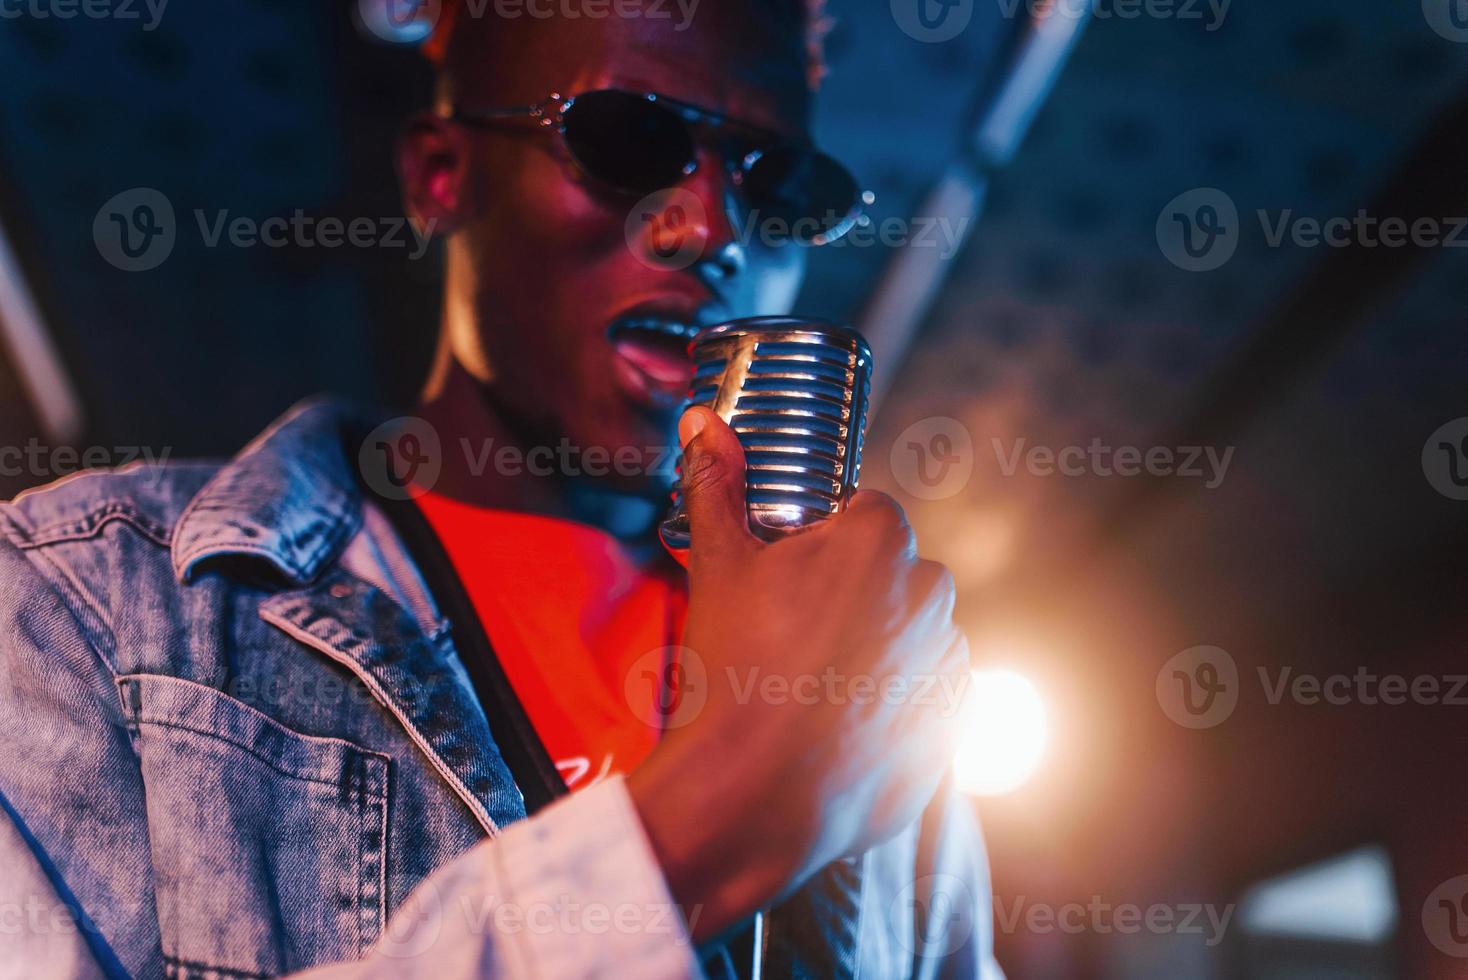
61, 595
476, 807
193, 965
92, 524
334, 784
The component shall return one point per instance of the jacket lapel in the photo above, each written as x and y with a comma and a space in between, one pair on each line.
420, 682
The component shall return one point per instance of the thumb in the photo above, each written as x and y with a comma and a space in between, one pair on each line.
713, 485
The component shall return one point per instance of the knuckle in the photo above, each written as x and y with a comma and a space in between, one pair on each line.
875, 504
884, 519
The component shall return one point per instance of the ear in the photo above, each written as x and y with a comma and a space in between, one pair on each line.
433, 166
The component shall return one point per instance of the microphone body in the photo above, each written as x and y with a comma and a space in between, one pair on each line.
795, 391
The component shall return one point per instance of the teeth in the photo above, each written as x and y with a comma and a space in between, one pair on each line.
674, 329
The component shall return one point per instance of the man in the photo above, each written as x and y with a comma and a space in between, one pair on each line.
257, 719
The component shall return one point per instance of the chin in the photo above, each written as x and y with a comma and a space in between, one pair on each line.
636, 451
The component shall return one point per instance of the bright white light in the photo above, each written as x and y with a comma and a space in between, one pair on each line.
1004, 733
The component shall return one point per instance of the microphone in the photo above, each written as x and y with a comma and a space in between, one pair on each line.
795, 391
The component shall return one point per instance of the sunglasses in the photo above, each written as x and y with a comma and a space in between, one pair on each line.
636, 143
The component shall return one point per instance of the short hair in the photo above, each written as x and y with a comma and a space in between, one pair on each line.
808, 16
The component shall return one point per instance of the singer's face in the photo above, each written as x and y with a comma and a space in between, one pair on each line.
572, 291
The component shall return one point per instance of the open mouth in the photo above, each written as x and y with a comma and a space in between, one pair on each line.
653, 349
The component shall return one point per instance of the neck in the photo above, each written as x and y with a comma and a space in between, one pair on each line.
475, 437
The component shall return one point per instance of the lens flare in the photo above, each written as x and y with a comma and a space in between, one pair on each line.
1004, 733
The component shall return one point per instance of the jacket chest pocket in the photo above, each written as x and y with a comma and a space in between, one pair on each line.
267, 845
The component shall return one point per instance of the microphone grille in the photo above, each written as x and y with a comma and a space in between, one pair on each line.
795, 392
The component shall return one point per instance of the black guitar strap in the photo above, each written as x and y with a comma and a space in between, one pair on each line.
530, 764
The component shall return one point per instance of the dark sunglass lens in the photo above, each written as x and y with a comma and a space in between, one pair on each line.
809, 193
628, 141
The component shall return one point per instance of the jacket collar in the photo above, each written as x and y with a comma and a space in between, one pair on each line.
290, 498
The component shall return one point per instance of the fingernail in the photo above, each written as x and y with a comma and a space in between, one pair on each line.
689, 426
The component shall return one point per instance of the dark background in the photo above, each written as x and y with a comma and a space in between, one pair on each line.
1326, 549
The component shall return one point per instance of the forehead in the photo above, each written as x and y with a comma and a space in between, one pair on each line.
724, 55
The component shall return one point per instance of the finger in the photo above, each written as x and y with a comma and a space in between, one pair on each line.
713, 486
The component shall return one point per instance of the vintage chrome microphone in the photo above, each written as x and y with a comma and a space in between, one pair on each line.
794, 390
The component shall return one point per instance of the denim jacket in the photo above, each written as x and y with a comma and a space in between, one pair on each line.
235, 736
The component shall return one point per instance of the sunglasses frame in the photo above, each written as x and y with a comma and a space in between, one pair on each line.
550, 113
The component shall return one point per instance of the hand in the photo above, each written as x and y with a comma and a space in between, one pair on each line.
756, 793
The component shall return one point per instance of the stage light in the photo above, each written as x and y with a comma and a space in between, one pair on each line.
1004, 733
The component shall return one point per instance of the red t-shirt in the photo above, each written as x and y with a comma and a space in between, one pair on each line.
582, 630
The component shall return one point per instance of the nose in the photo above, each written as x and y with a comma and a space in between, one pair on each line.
722, 263
725, 256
